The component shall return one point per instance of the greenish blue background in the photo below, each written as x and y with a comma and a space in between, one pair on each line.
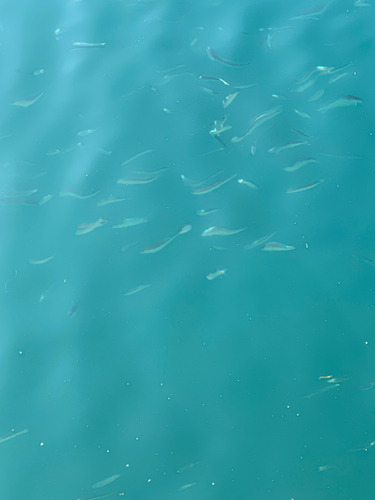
187, 371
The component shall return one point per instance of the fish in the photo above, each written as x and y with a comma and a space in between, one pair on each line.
73, 310
166, 110
280, 97
212, 187
367, 387
44, 294
187, 467
40, 261
222, 231
156, 247
203, 77
137, 289
25, 103
325, 389
197, 184
128, 245
73, 194
257, 243
85, 227
215, 274
343, 101
277, 247
299, 164
203, 213
84, 133
130, 222
253, 148
109, 480
172, 69
185, 229
220, 127
322, 468
306, 84
186, 486
132, 181
258, 121
214, 57
343, 157
301, 133
13, 435
46, 198
157, 171
318, 94
305, 187
313, 13
370, 445
337, 78
17, 201
111, 199
303, 114
362, 3
338, 379
288, 145
229, 99
248, 183
104, 151
137, 156
87, 45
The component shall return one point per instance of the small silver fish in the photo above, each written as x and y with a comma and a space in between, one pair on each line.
277, 247
221, 231
215, 274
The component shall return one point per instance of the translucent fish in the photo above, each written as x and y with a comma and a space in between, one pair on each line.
185, 229
302, 113
156, 247
87, 227
299, 164
13, 435
137, 289
84, 133
222, 231
109, 480
130, 222
73, 194
212, 187
258, 121
215, 274
277, 247
87, 45
248, 183
111, 199
229, 99
318, 94
25, 103
40, 261
305, 187
132, 181
203, 213
259, 242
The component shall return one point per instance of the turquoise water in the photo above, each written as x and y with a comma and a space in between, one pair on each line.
176, 360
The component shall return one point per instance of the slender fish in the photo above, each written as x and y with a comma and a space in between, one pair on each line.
277, 247
212, 187
109, 480
12, 435
299, 164
304, 187
222, 231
